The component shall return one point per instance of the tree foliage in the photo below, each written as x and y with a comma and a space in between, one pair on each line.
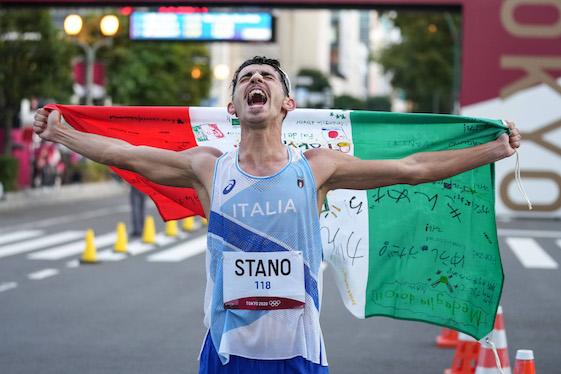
155, 72
317, 89
34, 62
348, 102
422, 63
380, 103
319, 80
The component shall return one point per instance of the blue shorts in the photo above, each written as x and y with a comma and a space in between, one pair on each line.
211, 364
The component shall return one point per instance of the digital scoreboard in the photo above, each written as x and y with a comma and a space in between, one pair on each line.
204, 27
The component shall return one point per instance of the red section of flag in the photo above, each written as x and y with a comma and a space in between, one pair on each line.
161, 127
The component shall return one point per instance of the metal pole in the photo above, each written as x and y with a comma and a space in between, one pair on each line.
90, 60
457, 48
90, 52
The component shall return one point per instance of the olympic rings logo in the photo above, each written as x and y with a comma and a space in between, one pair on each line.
274, 303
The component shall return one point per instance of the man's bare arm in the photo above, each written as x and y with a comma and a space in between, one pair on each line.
179, 169
335, 170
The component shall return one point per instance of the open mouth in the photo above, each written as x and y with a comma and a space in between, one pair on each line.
256, 98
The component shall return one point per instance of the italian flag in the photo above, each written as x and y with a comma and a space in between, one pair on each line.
427, 253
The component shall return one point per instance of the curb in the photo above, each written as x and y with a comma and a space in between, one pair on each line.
66, 193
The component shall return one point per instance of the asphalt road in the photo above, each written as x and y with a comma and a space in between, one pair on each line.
143, 314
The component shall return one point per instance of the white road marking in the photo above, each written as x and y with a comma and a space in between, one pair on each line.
19, 235
45, 241
42, 274
530, 254
7, 286
110, 255
138, 247
73, 263
74, 248
180, 251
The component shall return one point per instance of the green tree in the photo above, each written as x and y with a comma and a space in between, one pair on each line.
153, 72
348, 102
422, 64
34, 62
317, 87
381, 103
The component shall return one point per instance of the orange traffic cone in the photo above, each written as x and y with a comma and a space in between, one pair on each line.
465, 359
524, 362
487, 363
447, 339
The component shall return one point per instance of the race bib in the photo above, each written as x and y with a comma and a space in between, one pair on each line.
263, 280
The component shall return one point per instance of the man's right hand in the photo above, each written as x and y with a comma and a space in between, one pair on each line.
46, 123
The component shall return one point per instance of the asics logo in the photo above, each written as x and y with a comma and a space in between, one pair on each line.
229, 187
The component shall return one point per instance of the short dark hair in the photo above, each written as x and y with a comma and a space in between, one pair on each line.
262, 60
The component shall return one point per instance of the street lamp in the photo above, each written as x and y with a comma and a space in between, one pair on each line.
221, 72
109, 26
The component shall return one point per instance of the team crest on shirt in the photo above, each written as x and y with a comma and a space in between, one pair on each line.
300, 181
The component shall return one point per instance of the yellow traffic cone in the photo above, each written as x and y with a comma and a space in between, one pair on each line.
189, 224
149, 232
89, 256
122, 240
204, 221
171, 228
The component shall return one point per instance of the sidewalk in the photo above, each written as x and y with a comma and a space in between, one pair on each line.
54, 195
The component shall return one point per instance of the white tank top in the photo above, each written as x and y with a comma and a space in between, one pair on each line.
278, 214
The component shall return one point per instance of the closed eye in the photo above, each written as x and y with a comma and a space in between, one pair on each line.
264, 74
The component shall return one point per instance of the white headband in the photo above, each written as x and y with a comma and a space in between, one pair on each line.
289, 86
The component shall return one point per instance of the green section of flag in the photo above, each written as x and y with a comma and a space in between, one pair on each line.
434, 253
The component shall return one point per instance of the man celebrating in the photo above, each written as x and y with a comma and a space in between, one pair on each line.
263, 201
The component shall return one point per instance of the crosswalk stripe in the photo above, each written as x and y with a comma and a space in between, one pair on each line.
181, 251
19, 235
110, 255
139, 247
45, 241
531, 254
7, 286
72, 249
42, 274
